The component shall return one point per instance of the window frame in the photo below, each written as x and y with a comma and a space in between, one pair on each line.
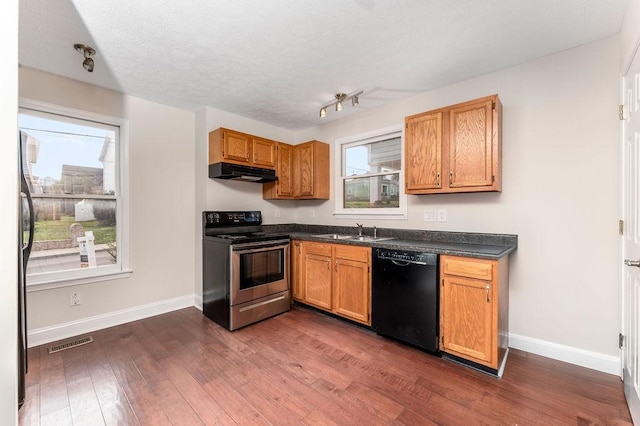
341, 144
122, 269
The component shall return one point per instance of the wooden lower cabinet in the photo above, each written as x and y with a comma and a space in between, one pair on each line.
474, 310
352, 282
317, 276
334, 277
297, 290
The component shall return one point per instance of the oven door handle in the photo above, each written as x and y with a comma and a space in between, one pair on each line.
255, 247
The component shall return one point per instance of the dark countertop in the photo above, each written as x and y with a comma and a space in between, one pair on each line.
479, 245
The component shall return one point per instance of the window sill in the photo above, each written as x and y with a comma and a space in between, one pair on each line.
68, 282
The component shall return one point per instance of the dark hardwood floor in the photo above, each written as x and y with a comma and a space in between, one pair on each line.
301, 367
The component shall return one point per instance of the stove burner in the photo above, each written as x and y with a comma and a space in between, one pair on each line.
237, 227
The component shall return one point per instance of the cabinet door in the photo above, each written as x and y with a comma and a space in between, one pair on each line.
304, 170
423, 152
317, 280
471, 145
264, 153
352, 289
284, 169
468, 325
236, 146
297, 287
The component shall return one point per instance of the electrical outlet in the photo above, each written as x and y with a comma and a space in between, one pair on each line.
277, 212
442, 215
75, 299
312, 213
429, 215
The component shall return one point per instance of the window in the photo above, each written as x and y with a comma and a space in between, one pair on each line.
370, 177
73, 162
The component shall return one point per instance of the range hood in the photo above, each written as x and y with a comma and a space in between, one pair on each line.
240, 172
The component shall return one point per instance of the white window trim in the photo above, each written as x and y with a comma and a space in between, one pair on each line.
89, 275
367, 137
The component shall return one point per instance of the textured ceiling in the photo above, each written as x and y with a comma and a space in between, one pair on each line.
279, 61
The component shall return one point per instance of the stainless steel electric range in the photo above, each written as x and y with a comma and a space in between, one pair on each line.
245, 271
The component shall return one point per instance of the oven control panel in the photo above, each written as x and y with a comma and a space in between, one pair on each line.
216, 218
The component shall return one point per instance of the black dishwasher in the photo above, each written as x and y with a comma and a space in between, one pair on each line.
404, 297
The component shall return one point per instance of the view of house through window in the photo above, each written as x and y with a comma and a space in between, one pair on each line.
371, 173
71, 168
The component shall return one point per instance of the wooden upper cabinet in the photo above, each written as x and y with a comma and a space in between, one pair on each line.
311, 171
472, 160
303, 173
235, 147
264, 152
282, 189
454, 149
423, 147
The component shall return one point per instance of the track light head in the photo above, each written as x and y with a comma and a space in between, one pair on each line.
88, 64
87, 51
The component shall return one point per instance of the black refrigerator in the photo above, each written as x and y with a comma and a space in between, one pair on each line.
25, 242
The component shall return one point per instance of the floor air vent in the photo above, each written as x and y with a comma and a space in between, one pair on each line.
71, 344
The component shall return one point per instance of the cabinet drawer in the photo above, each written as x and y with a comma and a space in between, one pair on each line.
360, 254
318, 248
466, 267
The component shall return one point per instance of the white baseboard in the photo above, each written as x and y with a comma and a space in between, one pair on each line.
594, 360
57, 332
197, 301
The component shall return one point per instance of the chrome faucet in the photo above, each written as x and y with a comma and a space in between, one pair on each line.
375, 232
359, 229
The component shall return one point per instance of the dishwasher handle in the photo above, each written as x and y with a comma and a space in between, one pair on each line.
404, 262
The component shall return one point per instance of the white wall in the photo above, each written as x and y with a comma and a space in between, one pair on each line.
9, 214
560, 190
162, 199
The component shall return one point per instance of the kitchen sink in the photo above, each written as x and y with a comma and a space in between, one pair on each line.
334, 236
367, 238
370, 238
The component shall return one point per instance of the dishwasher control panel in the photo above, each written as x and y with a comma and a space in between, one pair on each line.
407, 256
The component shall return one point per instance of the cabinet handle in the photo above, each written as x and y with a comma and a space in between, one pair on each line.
487, 287
450, 178
336, 266
438, 179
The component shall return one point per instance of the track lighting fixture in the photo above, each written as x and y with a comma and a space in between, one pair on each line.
87, 51
340, 98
